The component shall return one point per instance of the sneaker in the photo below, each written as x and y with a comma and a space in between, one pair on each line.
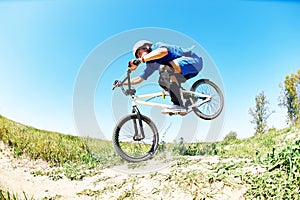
175, 109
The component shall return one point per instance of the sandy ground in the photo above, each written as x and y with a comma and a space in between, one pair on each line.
16, 176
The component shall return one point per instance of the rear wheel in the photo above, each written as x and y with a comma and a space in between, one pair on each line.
131, 148
212, 108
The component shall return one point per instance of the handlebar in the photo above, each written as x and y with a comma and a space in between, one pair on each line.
129, 91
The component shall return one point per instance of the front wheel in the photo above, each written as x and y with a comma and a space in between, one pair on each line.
127, 142
212, 108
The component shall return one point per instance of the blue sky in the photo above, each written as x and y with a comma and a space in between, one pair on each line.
43, 45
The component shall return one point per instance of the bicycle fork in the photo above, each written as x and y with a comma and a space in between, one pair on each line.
138, 128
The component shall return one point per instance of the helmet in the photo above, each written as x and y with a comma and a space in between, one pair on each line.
139, 45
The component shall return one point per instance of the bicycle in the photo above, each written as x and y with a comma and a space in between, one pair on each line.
135, 136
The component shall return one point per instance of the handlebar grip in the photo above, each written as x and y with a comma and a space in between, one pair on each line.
134, 62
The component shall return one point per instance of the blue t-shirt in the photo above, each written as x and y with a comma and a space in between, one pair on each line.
174, 52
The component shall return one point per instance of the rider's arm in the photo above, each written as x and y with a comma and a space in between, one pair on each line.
155, 54
135, 81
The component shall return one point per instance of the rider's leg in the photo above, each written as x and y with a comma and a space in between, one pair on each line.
174, 91
169, 82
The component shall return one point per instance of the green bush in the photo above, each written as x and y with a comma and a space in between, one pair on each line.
195, 149
230, 136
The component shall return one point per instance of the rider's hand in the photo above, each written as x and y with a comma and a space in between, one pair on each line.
133, 64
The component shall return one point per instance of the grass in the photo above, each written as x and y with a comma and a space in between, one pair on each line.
5, 195
77, 156
282, 179
258, 146
277, 152
52, 147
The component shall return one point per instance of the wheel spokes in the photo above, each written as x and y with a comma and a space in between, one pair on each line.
138, 148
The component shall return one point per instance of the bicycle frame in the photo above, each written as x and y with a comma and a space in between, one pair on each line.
136, 100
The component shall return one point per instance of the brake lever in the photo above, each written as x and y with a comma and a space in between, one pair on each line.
116, 84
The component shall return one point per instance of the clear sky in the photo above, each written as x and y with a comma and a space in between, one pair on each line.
43, 45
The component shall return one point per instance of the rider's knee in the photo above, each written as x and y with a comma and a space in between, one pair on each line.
165, 68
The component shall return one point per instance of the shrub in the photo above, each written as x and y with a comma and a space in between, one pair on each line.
232, 135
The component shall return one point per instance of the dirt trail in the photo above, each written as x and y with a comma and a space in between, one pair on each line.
16, 176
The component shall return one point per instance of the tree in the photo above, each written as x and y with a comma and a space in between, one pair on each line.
232, 135
290, 97
260, 113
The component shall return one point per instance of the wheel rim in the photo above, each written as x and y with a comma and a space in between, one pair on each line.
213, 106
135, 148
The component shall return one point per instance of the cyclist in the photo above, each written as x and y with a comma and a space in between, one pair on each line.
175, 65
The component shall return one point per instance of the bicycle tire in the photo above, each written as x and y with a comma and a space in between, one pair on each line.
217, 98
121, 150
